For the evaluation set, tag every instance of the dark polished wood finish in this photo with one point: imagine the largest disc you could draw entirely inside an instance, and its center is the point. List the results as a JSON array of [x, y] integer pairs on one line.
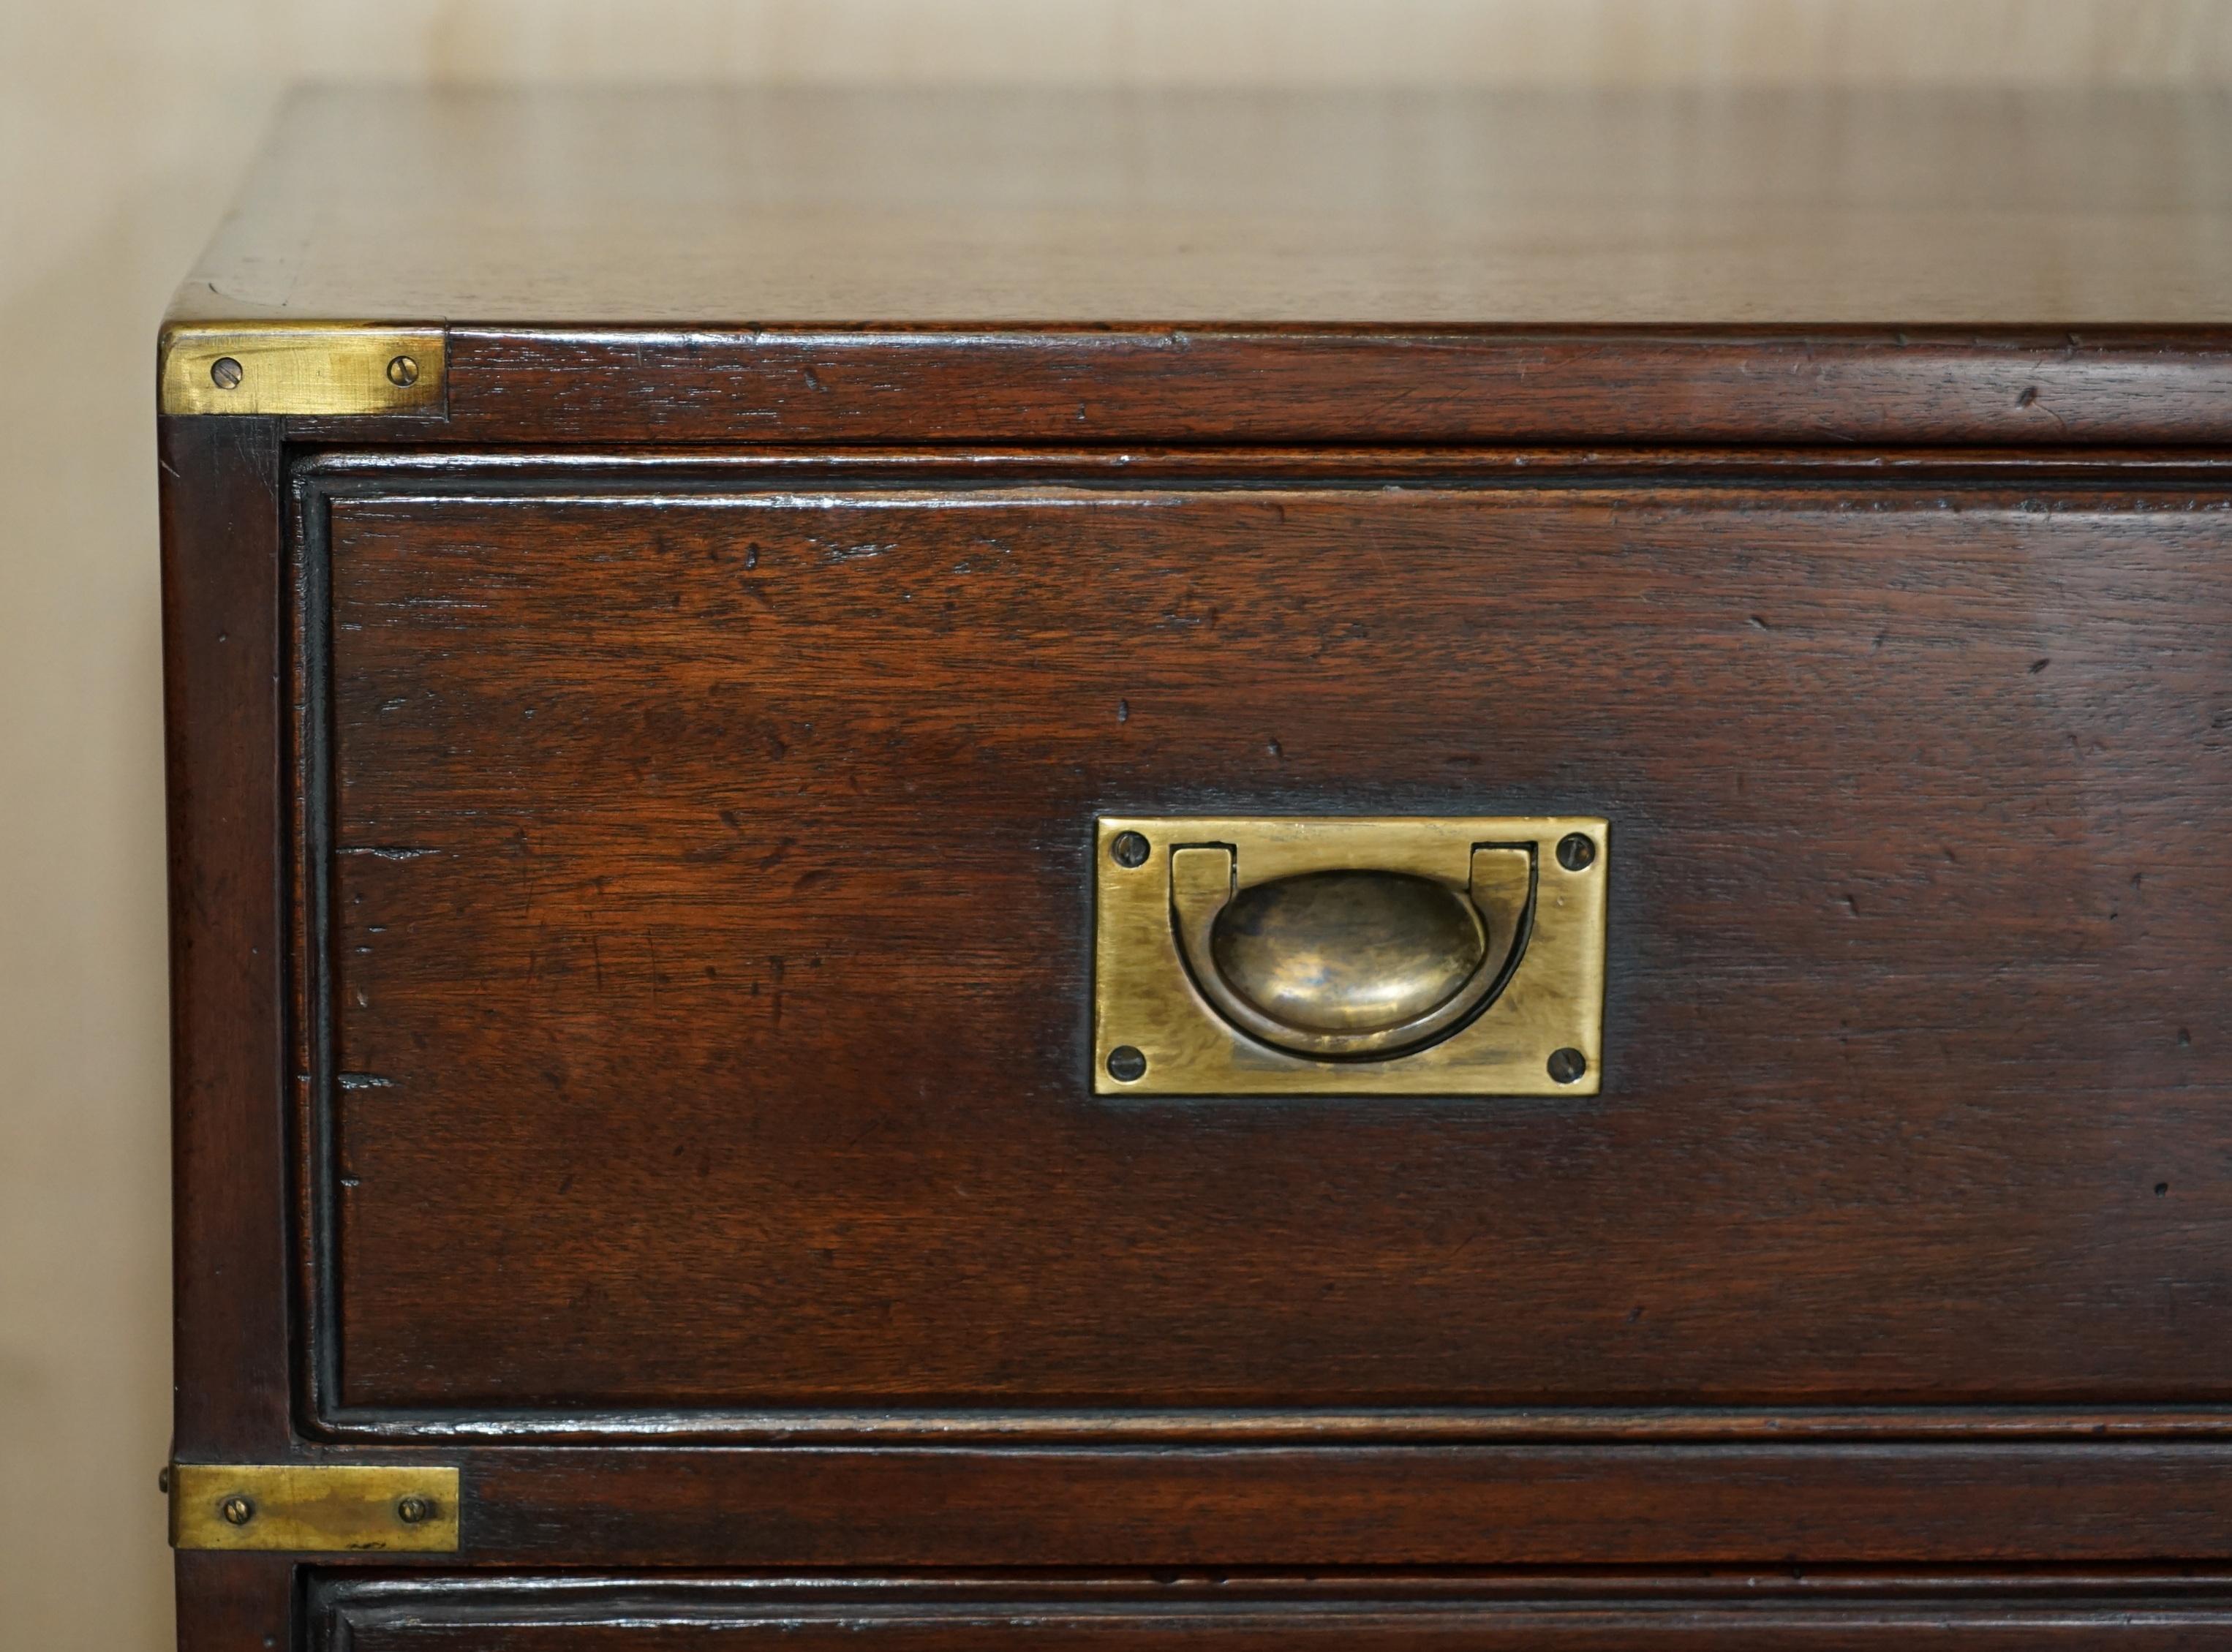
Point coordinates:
[[223, 568], [1806, 385], [1323, 1505], [630, 837], [666, 210], [1728, 1612], [656, 812]]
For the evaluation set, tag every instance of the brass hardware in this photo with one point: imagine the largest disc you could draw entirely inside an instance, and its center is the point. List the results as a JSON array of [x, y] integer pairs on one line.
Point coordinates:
[[1347, 962], [314, 1508], [307, 368], [1349, 956]]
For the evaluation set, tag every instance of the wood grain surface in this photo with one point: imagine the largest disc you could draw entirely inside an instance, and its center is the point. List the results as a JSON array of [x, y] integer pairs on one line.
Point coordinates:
[[709, 928], [1805, 387], [224, 622], [1075, 206], [1388, 1506], [1948, 268], [1727, 1612]]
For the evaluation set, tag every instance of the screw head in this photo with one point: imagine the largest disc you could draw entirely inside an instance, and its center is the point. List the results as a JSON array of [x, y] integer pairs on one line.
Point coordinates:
[[236, 1510], [403, 371], [163, 1481], [1566, 1066], [1577, 852], [1126, 1065], [226, 373], [1128, 849], [413, 1509]]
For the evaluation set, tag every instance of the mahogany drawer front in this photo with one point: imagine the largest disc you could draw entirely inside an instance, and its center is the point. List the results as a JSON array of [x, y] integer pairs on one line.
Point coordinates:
[[1731, 1612], [699, 956]]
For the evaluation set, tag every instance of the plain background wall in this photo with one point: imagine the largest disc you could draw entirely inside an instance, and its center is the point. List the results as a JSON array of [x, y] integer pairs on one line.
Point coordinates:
[[123, 125]]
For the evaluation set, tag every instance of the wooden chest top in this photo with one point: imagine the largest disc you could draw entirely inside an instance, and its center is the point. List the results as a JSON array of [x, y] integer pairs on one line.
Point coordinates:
[[1064, 266], [1077, 208]]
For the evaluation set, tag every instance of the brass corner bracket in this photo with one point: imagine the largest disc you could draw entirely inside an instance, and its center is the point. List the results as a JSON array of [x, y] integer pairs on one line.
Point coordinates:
[[308, 369], [314, 1508]]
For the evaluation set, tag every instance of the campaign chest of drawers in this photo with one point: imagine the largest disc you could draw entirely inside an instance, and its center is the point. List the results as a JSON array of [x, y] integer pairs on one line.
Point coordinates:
[[1067, 871]]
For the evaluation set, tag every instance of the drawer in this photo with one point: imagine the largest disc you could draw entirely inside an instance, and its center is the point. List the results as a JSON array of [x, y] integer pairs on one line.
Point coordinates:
[[1728, 1612], [697, 917]]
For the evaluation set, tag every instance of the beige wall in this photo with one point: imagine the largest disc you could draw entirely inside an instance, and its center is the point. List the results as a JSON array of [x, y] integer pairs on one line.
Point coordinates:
[[122, 124]]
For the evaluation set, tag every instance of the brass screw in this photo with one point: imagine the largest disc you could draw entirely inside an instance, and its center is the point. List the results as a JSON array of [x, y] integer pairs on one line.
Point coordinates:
[[1126, 1065], [225, 373], [403, 372], [163, 1481], [236, 1510], [1569, 1066], [414, 1509]]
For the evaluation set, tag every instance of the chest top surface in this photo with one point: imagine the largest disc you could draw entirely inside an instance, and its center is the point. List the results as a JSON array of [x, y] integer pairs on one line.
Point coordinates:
[[1423, 208]]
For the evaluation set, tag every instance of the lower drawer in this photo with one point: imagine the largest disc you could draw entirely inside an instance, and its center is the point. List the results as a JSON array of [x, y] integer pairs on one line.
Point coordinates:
[[1728, 1612]]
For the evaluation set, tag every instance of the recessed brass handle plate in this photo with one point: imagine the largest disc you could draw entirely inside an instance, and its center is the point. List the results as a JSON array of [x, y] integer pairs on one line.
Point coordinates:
[[1358, 956]]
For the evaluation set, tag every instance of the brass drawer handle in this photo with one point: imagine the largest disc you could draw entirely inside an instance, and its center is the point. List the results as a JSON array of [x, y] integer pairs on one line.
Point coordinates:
[[1347, 962], [1348, 954]]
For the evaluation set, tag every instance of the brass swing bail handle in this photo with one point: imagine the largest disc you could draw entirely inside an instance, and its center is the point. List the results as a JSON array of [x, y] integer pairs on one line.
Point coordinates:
[[1347, 962]]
